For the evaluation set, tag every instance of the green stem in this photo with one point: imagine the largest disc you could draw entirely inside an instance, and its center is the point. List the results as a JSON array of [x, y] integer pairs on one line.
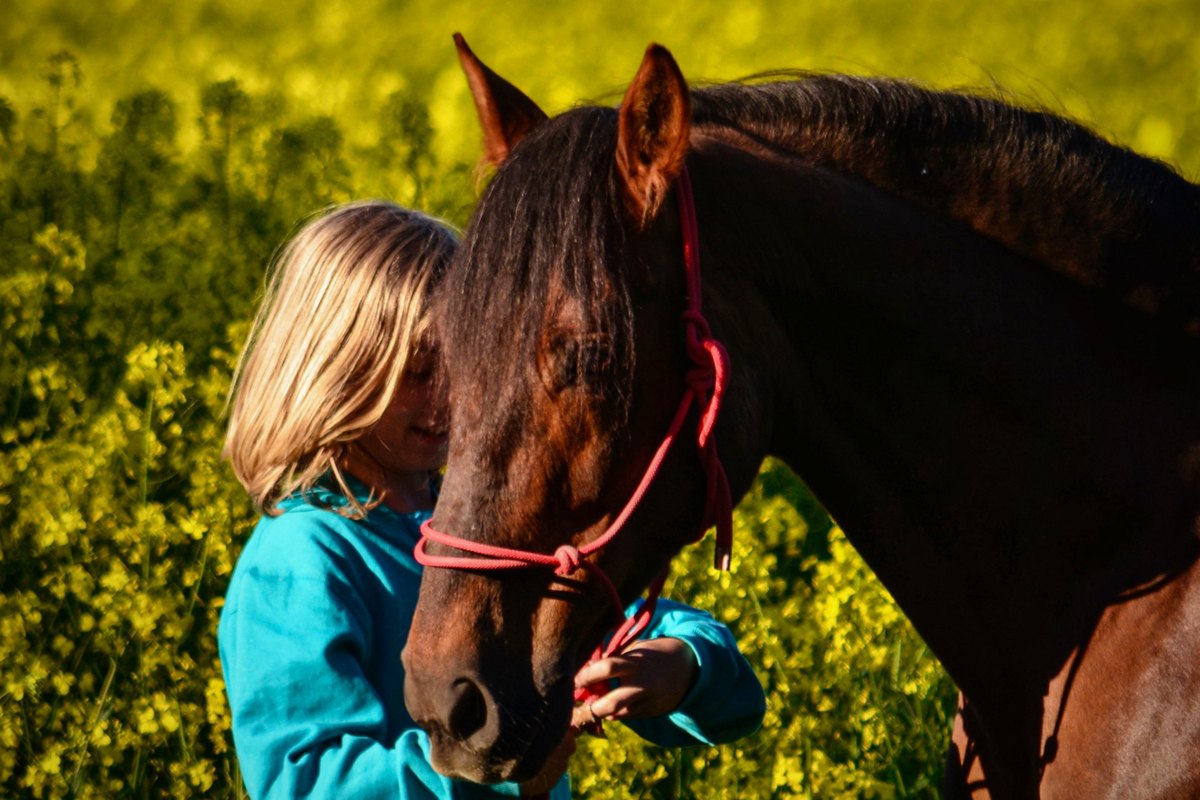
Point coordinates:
[[136, 778], [199, 578], [144, 478], [76, 777], [184, 747], [238, 783]]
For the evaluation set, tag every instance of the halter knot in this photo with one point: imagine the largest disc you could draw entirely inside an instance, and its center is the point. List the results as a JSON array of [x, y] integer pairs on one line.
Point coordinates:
[[700, 379], [698, 322], [569, 560]]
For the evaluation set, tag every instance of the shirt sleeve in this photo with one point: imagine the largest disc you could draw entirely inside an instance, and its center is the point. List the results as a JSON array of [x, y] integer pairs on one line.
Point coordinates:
[[306, 720], [726, 701]]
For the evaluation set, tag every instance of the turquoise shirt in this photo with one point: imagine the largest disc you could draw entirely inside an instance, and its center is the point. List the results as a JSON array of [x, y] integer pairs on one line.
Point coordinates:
[[317, 612]]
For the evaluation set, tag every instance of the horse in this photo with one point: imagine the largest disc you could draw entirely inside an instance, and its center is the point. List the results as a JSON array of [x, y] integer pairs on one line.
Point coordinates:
[[970, 327]]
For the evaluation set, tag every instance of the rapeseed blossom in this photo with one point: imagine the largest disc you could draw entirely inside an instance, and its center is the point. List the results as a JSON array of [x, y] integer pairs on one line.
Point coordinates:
[[135, 225]]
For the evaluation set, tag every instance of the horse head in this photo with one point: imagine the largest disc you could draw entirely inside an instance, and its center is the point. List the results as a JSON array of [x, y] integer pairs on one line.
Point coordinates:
[[561, 327]]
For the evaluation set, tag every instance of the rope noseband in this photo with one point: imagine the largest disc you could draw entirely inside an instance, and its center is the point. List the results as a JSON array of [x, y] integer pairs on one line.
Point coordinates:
[[706, 383]]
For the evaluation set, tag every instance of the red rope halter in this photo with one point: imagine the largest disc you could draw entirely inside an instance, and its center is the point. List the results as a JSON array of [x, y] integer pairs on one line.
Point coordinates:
[[705, 386]]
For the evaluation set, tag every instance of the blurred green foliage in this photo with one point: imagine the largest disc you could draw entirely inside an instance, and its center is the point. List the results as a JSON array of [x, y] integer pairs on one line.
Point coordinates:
[[152, 157]]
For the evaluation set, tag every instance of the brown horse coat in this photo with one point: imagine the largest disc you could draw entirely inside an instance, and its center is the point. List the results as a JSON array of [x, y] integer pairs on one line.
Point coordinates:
[[969, 328]]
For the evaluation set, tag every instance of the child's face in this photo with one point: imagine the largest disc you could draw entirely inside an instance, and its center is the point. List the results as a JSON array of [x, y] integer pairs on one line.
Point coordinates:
[[413, 432]]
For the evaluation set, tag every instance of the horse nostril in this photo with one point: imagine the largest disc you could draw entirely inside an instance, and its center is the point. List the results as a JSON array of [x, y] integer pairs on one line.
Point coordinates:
[[469, 711]]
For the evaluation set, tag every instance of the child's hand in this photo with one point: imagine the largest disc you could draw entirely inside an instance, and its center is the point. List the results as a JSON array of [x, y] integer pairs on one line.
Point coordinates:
[[654, 674]]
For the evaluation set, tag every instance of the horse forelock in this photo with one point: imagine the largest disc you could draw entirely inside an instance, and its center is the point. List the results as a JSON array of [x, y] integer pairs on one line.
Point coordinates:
[[548, 230]]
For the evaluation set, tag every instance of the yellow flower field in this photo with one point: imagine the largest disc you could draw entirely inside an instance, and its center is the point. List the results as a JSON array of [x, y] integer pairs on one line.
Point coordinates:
[[152, 157]]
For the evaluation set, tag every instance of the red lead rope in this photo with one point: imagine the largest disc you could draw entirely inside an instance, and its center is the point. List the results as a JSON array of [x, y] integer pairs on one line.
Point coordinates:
[[705, 386]]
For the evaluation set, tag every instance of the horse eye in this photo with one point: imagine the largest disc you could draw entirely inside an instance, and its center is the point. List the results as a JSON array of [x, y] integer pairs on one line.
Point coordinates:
[[561, 365], [568, 359], [593, 360]]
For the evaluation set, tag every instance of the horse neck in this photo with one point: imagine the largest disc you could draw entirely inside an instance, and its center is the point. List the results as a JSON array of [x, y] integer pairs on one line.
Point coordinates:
[[1002, 448]]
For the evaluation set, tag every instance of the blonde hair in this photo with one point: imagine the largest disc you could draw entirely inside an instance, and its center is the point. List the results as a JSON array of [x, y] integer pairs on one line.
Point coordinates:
[[343, 312]]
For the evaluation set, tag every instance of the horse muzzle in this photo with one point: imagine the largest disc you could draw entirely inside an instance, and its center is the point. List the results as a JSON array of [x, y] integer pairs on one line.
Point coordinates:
[[472, 735]]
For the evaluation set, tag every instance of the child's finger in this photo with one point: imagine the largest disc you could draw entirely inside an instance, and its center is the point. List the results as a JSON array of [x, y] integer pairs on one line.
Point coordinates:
[[603, 670], [582, 718], [617, 701]]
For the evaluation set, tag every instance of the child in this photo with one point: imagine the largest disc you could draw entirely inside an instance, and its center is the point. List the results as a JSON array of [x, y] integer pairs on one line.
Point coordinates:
[[337, 432]]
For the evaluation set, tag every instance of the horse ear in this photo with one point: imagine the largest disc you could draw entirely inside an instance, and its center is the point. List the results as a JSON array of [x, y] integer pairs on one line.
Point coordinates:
[[652, 140], [505, 113]]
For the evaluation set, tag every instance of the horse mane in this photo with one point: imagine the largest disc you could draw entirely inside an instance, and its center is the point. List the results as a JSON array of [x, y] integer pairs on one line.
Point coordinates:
[[1043, 185]]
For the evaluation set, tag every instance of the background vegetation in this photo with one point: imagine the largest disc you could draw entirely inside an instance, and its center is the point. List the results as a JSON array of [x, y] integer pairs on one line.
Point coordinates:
[[153, 155]]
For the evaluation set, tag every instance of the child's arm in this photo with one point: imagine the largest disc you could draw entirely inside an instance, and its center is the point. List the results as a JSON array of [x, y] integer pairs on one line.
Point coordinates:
[[307, 722], [684, 683]]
